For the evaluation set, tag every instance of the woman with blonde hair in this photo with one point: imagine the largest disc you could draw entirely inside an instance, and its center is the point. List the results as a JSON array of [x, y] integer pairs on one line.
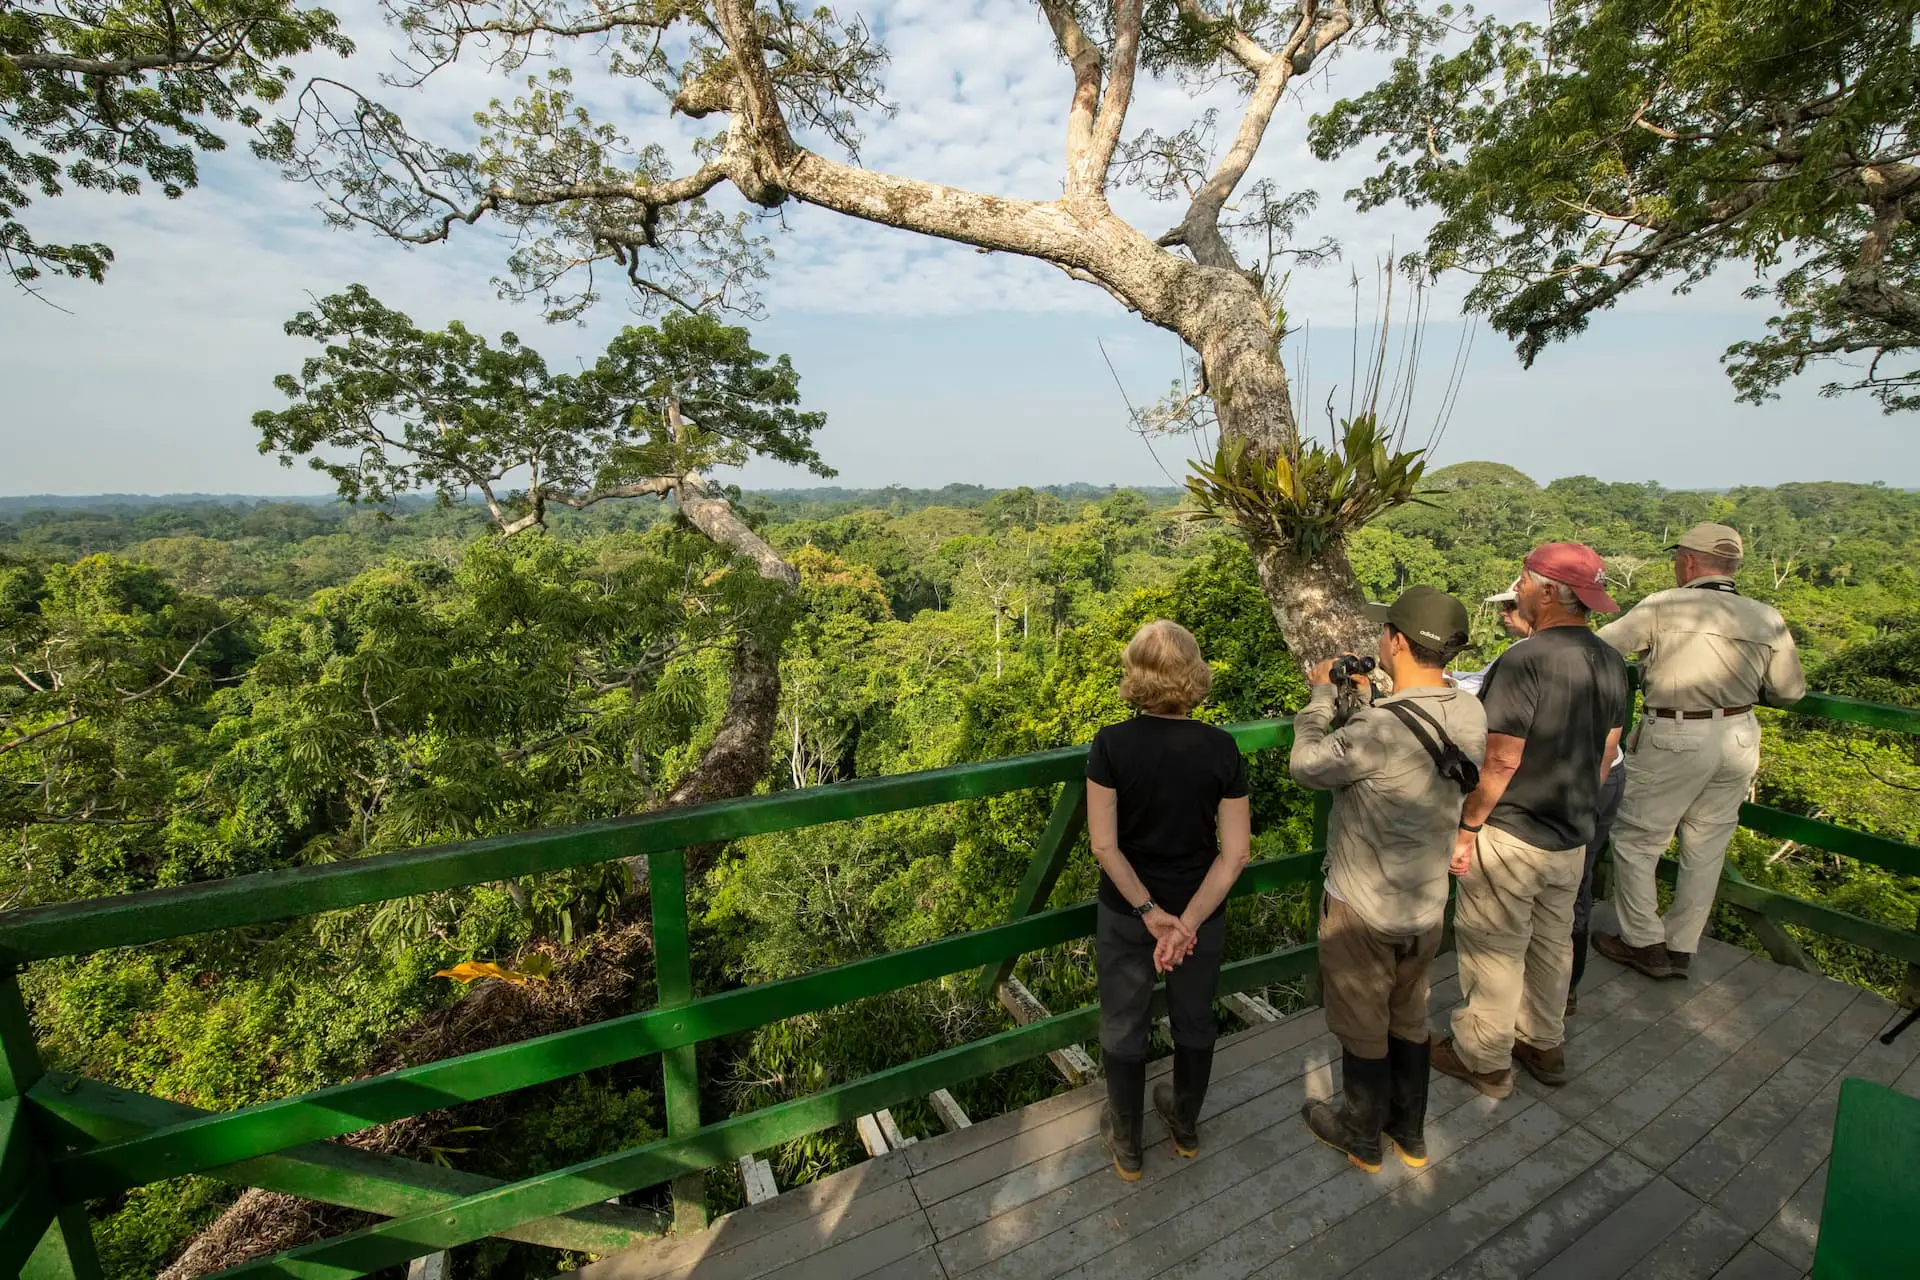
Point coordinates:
[[1167, 817]]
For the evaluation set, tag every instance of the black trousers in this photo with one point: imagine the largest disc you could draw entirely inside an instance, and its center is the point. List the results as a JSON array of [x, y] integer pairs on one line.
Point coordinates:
[[1123, 957], [1616, 786]]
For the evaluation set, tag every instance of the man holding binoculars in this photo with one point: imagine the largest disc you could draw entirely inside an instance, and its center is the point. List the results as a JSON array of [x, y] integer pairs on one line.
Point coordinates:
[[1398, 768]]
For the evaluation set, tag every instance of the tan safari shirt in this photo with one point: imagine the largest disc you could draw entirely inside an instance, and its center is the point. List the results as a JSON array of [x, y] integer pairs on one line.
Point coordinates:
[[1706, 649], [1394, 816]]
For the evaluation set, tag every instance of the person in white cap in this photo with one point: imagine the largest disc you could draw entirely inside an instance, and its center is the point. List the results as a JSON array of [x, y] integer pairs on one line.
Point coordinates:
[[1508, 603], [1707, 655]]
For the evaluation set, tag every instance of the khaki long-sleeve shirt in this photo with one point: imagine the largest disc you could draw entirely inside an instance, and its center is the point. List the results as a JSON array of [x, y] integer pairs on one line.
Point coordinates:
[[1394, 816], [1704, 649]]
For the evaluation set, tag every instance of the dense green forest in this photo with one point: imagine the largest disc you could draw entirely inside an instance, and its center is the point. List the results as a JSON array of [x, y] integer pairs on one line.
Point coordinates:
[[209, 688]]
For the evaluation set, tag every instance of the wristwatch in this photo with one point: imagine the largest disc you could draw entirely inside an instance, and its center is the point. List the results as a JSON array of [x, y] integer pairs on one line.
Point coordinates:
[[1144, 908]]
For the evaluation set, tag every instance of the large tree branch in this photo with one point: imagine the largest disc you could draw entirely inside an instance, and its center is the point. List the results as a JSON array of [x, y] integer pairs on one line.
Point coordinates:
[[1084, 57], [1240, 46], [1113, 106], [65, 64]]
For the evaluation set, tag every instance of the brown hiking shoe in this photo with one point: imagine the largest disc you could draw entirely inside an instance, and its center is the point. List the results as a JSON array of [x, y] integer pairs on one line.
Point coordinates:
[[1678, 962], [1651, 960], [1446, 1060], [1548, 1066]]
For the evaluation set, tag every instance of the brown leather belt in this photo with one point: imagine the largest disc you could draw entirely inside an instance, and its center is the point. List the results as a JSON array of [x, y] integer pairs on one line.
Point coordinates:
[[1669, 713]]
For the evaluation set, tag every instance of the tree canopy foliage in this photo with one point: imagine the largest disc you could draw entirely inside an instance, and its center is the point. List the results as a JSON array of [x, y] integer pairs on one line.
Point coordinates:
[[349, 684], [1627, 142], [101, 94]]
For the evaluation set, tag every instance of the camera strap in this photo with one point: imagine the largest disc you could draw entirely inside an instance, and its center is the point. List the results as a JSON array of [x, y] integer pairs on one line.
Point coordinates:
[[1466, 778]]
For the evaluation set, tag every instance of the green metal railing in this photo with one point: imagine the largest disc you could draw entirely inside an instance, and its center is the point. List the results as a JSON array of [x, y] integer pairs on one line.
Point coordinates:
[[65, 1140]]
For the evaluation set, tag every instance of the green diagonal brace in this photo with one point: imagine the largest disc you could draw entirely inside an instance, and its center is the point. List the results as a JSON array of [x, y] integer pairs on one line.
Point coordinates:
[[1064, 825], [83, 1112]]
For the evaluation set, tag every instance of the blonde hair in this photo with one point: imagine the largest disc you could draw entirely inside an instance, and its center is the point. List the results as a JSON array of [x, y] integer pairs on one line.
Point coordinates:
[[1164, 672]]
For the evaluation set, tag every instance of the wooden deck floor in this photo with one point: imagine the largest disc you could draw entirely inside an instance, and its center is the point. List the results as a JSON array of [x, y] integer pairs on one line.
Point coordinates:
[[1691, 1142]]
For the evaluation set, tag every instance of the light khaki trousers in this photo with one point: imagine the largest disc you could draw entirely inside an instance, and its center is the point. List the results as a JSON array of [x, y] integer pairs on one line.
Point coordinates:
[[1690, 777], [1513, 927]]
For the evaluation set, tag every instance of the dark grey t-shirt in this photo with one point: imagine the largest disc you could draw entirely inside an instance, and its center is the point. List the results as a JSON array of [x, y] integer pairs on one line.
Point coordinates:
[[1563, 690]]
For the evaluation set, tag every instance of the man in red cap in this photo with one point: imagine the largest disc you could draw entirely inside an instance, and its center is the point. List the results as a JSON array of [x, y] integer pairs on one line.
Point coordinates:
[[1556, 704]]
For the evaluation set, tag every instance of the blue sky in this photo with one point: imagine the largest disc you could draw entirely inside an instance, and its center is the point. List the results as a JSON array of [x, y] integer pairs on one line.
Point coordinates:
[[934, 363]]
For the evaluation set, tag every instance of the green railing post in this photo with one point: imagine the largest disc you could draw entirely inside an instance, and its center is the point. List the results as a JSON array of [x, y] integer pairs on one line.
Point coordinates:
[[673, 979], [1317, 889], [39, 1240], [1068, 820]]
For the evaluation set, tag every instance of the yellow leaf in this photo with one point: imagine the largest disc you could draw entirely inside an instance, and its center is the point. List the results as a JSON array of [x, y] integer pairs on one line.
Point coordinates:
[[473, 970]]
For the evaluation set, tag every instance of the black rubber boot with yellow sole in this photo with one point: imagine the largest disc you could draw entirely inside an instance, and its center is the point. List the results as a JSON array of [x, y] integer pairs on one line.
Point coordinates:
[[1355, 1127], [1120, 1121], [1179, 1102], [1406, 1128]]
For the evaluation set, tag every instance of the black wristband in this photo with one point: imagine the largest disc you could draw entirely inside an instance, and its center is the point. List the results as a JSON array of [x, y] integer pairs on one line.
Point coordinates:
[[1472, 827], [1144, 909]]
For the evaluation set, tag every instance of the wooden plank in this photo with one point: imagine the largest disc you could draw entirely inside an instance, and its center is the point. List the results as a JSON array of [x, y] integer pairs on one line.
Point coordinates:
[[1693, 1116], [951, 1114], [1250, 1009], [1057, 1211], [1072, 1062], [1763, 1188], [1755, 1263], [1234, 1053], [855, 1211], [778, 1230], [1478, 1214], [1556, 1222], [890, 1130], [1242, 1230], [756, 1179], [1012, 1232], [868, 1254], [1646, 1098], [435, 1266], [1716, 1159], [1626, 1235], [1695, 1250], [1644, 1032], [1794, 1232], [1361, 1236], [871, 1136]]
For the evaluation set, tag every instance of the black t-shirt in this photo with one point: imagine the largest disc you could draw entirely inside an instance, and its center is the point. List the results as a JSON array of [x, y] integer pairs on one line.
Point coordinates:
[[1563, 690], [1171, 776]]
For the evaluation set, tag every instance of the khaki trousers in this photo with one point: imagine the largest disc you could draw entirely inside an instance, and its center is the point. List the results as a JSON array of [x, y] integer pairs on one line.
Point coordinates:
[[1513, 925], [1373, 984], [1689, 777]]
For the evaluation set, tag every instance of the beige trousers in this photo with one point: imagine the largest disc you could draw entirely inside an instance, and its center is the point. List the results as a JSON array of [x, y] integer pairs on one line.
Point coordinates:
[[1690, 777], [1513, 926]]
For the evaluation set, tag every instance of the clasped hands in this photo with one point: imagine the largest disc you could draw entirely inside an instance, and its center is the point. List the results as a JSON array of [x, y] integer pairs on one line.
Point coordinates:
[[1173, 942]]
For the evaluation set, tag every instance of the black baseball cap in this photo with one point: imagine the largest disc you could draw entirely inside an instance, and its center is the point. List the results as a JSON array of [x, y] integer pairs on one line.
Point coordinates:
[[1427, 617]]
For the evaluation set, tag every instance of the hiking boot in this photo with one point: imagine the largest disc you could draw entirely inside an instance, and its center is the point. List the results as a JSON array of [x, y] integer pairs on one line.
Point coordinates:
[[1179, 1102], [1678, 962], [1652, 960], [1447, 1061], [1406, 1126], [1548, 1066], [1355, 1128], [1120, 1118]]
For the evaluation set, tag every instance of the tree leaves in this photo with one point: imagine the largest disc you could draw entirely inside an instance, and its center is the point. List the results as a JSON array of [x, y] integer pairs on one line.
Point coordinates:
[[535, 968]]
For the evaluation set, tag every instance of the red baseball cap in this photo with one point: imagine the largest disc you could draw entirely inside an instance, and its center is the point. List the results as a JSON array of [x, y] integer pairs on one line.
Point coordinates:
[[1578, 566]]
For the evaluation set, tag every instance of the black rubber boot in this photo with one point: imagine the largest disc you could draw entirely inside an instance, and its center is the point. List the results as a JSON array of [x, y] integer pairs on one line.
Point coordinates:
[[1406, 1127], [1179, 1102], [1120, 1122], [1355, 1127]]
